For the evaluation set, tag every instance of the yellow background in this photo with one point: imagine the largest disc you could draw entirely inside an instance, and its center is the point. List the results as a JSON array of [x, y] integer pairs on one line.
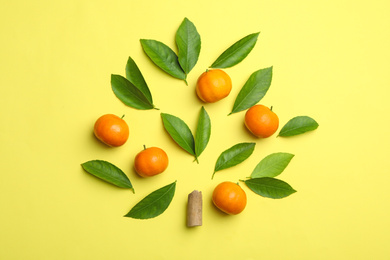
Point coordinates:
[[331, 62]]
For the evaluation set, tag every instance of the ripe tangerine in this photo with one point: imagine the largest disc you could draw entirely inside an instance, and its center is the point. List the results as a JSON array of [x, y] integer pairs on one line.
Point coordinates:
[[111, 130], [213, 85], [151, 161], [261, 121], [229, 197]]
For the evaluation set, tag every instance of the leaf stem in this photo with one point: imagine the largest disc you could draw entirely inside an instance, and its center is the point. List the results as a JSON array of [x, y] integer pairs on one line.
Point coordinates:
[[212, 177]]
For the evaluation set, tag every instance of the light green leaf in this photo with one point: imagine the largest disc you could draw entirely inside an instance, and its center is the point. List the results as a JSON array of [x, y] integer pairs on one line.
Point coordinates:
[[189, 44], [108, 172], [164, 57], [233, 156], [270, 187], [254, 90], [153, 204], [129, 94], [272, 165], [237, 52], [298, 125], [180, 132], [203, 132]]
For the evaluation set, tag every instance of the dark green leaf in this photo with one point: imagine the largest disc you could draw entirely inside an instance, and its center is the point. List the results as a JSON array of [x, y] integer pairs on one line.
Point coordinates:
[[180, 132], [164, 57], [203, 132], [108, 172], [188, 43], [129, 94], [272, 165], [153, 204], [237, 52], [134, 75], [298, 125], [233, 156], [270, 187], [254, 90]]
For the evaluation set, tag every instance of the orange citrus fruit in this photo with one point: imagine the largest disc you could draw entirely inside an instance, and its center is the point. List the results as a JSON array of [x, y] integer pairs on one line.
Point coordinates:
[[151, 161], [111, 130], [213, 85], [261, 121], [229, 197]]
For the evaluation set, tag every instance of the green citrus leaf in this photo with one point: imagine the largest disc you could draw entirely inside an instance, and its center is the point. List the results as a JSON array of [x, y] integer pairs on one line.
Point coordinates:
[[129, 94], [272, 165], [180, 132], [254, 90], [134, 75], [164, 57], [270, 187], [188, 44], [108, 172], [298, 125], [153, 204], [237, 52], [203, 132], [233, 156]]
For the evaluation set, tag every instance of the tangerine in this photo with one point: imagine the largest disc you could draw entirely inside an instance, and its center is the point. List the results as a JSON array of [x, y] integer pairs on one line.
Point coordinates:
[[111, 130], [151, 161], [261, 121], [213, 85], [229, 197]]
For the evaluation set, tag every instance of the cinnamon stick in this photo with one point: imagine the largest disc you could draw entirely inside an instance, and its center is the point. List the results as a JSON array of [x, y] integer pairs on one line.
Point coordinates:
[[194, 209]]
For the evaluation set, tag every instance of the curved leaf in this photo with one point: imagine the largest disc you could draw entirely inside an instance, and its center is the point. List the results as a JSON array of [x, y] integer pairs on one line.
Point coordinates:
[[188, 43], [134, 75], [298, 125], [203, 132], [254, 90], [129, 94], [233, 156], [272, 165], [108, 172], [237, 52], [180, 132], [270, 187], [153, 204], [164, 57]]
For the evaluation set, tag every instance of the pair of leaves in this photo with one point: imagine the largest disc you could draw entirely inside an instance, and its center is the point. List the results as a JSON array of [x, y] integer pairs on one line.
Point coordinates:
[[132, 90], [253, 90], [233, 156], [153, 204], [236, 53], [188, 43], [262, 180], [182, 135], [298, 125], [108, 172]]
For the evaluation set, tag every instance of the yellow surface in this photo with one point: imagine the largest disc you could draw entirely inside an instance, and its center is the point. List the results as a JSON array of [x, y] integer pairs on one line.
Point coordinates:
[[331, 62]]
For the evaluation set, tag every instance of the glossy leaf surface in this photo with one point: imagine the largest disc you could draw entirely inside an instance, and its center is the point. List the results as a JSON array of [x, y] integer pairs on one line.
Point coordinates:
[[272, 165], [188, 43], [180, 132], [298, 125], [164, 57], [134, 75], [129, 94], [108, 172], [253, 90], [237, 52], [270, 187], [203, 132], [153, 204], [233, 156]]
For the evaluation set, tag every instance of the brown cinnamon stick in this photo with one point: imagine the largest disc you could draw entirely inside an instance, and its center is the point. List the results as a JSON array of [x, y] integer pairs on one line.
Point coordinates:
[[194, 209]]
